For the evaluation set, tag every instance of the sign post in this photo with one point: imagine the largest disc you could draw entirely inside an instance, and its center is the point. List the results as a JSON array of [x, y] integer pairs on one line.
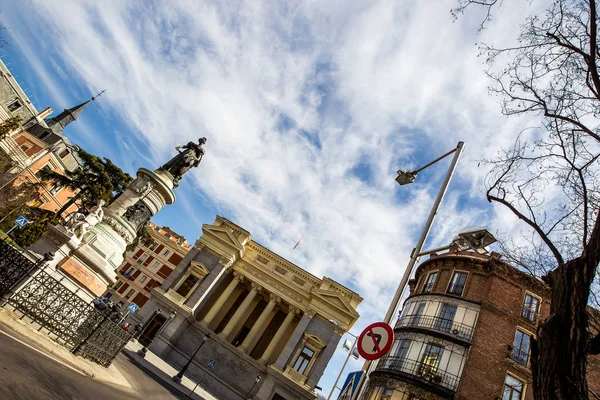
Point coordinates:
[[375, 341], [130, 309], [20, 222]]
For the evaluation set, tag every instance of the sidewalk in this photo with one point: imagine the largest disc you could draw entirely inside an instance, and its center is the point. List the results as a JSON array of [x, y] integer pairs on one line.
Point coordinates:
[[163, 373], [44, 342]]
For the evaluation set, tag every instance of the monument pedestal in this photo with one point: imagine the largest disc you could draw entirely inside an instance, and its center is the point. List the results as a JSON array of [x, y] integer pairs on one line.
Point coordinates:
[[90, 262]]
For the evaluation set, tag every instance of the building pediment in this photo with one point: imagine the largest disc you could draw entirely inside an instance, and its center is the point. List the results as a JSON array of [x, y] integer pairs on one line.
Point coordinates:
[[221, 241], [333, 306]]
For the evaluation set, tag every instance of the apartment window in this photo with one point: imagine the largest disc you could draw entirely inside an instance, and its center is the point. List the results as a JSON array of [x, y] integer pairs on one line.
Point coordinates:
[[445, 318], [14, 105], [44, 199], [387, 394], [118, 285], [303, 360], [143, 278], [130, 293], [142, 258], [530, 307], [415, 317], [520, 349], [129, 271], [400, 354], [64, 153], [47, 167], [513, 388], [457, 284], [431, 278], [156, 264], [56, 188], [153, 246], [431, 359], [166, 252]]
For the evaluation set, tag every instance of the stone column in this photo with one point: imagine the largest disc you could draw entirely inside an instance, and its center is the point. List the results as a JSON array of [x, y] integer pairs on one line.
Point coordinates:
[[259, 325], [241, 311], [237, 278], [279, 334], [297, 335]]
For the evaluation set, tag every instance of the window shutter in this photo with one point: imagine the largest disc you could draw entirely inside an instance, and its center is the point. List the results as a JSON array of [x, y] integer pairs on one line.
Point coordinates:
[[123, 288], [175, 259], [140, 300], [148, 261], [164, 271], [136, 274], [122, 270], [159, 249], [138, 254]]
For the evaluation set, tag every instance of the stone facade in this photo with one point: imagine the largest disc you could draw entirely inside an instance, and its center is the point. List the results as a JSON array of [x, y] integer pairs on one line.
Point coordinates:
[[465, 338], [264, 317]]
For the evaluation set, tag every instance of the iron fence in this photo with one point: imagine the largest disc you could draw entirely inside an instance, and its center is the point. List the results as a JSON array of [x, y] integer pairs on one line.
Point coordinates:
[[425, 372], [13, 267], [42, 297]]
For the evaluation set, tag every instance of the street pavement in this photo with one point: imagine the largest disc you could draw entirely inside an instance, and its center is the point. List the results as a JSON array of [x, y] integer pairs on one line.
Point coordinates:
[[26, 373]]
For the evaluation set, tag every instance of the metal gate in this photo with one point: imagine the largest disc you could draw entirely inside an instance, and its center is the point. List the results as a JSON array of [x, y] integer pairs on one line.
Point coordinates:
[[42, 297]]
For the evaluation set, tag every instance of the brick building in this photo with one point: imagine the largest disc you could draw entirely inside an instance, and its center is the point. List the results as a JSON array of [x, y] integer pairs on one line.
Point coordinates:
[[147, 266], [464, 333]]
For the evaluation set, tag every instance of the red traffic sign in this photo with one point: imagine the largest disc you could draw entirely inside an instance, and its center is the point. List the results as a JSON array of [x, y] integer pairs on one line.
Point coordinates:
[[375, 341]]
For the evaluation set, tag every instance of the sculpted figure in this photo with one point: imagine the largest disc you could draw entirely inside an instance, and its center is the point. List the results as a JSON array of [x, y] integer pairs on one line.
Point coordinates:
[[189, 157], [79, 223]]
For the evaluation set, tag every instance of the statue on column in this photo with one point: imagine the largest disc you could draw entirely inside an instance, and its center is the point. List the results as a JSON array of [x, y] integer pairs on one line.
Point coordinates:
[[79, 223], [189, 157]]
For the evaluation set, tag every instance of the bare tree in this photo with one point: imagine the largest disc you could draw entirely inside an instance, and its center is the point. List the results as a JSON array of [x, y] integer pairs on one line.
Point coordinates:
[[550, 177]]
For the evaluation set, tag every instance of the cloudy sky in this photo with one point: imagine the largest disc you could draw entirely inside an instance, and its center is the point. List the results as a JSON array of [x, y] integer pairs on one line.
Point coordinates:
[[309, 109]]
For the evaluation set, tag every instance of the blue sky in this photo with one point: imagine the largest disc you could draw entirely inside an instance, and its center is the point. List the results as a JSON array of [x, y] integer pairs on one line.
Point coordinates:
[[309, 109]]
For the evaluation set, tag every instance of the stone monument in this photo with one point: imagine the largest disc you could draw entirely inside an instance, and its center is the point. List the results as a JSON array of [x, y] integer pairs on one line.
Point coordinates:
[[89, 247]]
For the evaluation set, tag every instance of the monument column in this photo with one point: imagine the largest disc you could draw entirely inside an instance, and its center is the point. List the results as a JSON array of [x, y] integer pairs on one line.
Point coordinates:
[[290, 346], [237, 278], [259, 325], [279, 334], [241, 311]]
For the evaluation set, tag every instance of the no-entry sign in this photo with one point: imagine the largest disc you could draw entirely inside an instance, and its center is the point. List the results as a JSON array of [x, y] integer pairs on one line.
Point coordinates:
[[375, 341]]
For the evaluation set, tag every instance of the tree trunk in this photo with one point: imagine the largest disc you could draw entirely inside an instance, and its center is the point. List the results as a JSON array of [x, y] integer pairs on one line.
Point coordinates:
[[559, 353]]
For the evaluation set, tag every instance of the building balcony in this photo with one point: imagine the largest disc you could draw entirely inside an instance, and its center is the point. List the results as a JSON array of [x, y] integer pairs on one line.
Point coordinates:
[[447, 327], [427, 375], [519, 356]]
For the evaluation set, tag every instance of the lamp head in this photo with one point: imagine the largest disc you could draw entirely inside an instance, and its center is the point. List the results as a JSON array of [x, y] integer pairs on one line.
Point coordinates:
[[405, 177], [473, 238]]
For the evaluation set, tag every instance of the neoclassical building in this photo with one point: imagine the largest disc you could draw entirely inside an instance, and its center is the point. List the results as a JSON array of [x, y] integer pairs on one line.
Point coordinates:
[[264, 317]]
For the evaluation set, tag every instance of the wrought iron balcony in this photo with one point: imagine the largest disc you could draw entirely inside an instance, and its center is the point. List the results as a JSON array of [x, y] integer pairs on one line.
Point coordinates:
[[438, 324], [520, 356], [422, 372]]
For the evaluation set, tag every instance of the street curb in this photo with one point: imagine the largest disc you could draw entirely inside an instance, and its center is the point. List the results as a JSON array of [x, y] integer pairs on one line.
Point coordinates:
[[108, 375], [159, 376]]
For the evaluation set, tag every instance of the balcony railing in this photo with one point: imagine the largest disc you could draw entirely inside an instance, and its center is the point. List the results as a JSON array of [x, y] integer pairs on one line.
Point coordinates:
[[438, 324], [520, 356], [427, 373]]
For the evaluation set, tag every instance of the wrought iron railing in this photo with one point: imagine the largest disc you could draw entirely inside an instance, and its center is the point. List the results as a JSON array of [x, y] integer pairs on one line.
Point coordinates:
[[424, 372], [44, 299], [520, 356], [438, 324]]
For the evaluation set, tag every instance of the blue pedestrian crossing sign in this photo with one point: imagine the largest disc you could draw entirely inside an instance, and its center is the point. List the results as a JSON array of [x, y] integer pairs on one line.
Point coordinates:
[[21, 221], [132, 307], [211, 364]]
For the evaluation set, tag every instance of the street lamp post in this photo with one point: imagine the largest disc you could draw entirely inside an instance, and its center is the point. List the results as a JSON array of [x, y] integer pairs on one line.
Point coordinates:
[[343, 366], [142, 352], [403, 178], [258, 378], [177, 378]]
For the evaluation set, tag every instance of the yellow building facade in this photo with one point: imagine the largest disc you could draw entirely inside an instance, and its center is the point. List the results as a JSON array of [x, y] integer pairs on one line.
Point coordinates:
[[263, 315]]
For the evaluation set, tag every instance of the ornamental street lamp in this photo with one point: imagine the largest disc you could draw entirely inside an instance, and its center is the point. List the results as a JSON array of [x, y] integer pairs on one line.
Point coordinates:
[[142, 352], [258, 378], [177, 378], [350, 353]]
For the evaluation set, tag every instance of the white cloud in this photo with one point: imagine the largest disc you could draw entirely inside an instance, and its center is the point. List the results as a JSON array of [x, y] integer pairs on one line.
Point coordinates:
[[372, 86]]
